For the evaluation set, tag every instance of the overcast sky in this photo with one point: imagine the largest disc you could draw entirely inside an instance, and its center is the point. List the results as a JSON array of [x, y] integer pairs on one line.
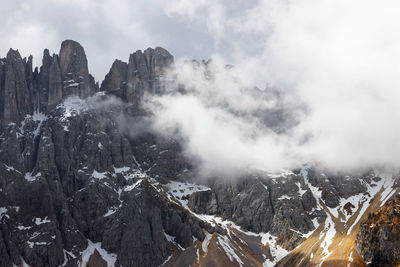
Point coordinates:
[[340, 58], [114, 29]]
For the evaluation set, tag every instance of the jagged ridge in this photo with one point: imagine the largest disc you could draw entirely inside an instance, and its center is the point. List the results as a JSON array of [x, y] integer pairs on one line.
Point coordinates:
[[77, 188]]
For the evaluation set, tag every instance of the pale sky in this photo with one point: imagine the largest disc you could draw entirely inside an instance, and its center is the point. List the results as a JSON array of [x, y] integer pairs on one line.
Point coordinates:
[[110, 29], [341, 59]]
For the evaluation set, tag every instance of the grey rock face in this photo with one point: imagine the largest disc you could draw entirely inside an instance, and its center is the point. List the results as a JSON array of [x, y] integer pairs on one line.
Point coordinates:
[[281, 206], [378, 240], [30, 78], [143, 74], [15, 94], [80, 172], [74, 70], [73, 176], [2, 89], [115, 81], [55, 92], [23, 90], [44, 80], [255, 205]]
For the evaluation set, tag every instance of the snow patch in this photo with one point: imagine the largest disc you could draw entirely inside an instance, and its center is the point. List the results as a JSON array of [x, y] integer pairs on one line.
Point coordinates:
[[277, 252], [351, 257], [99, 175], [171, 239], [267, 238], [136, 174], [32, 244], [301, 191], [334, 211], [279, 174], [374, 188], [40, 118], [39, 221], [355, 201], [3, 210], [205, 243], [284, 197], [121, 170], [314, 190], [72, 85], [110, 258], [72, 106], [110, 212], [16, 208], [266, 187], [183, 190], [388, 191], [230, 252], [10, 168], [167, 260], [131, 187], [315, 223], [30, 178], [22, 228], [24, 264], [328, 233]]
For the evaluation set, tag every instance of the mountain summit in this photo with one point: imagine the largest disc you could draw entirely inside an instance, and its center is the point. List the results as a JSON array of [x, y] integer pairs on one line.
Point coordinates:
[[86, 181]]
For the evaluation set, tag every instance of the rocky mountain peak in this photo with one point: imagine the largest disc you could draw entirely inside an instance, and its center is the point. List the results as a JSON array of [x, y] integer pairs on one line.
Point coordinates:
[[74, 70], [23, 90], [115, 80], [142, 74], [72, 58], [78, 189], [161, 60], [13, 55], [16, 98]]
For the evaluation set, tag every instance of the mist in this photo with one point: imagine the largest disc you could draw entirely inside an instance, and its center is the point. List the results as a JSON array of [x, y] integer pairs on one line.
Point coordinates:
[[312, 80], [327, 70]]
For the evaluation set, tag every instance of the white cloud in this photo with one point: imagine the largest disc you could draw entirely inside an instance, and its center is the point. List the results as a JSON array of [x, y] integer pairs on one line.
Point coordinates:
[[339, 58]]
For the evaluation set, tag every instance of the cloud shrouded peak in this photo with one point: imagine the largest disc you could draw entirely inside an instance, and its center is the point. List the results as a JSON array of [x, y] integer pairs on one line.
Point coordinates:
[[331, 70]]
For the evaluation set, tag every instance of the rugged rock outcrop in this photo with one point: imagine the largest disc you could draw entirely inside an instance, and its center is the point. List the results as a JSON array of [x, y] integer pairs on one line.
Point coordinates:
[[143, 74], [115, 82], [24, 90], [378, 241], [15, 93], [85, 180], [55, 92], [74, 70], [70, 178], [261, 204], [43, 80]]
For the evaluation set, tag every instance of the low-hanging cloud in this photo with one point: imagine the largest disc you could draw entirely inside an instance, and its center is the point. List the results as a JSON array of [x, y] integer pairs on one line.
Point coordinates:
[[331, 69], [336, 66], [226, 124]]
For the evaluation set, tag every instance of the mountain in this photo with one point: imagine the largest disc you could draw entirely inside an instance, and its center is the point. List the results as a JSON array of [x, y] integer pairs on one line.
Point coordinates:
[[84, 181], [379, 238]]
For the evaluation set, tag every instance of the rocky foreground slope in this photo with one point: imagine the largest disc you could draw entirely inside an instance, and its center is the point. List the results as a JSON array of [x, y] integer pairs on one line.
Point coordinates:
[[379, 238], [84, 181]]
